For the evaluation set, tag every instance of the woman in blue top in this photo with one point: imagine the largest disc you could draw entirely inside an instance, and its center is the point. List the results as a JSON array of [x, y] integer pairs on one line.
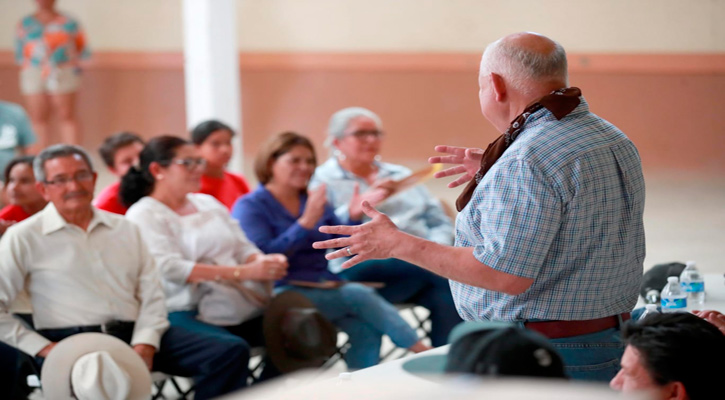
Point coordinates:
[[282, 217]]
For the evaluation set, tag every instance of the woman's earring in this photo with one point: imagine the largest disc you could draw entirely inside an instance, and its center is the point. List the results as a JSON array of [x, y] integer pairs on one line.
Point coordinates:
[[378, 157], [159, 177]]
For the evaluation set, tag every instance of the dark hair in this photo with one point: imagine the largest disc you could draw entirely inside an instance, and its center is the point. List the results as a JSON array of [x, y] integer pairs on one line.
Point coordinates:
[[58, 151], [202, 131], [275, 147], [114, 142], [15, 161], [138, 181], [679, 347]]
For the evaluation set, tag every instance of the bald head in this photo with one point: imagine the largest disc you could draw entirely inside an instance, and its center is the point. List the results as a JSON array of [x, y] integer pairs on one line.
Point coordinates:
[[528, 62]]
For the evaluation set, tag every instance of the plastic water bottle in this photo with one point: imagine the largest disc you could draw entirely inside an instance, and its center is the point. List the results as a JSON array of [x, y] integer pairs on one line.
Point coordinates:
[[693, 284], [673, 298], [649, 309]]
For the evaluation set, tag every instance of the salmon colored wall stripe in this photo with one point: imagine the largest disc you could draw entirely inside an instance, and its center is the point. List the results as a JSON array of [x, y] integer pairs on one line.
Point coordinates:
[[578, 62]]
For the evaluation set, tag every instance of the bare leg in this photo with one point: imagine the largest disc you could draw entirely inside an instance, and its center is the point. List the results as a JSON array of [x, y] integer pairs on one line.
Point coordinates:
[[38, 110], [64, 105]]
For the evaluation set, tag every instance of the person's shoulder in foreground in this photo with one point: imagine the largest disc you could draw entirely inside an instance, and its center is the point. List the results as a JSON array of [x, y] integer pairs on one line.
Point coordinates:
[[674, 356]]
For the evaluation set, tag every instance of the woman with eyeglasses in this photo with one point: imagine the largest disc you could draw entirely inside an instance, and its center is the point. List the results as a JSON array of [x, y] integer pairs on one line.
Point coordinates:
[[356, 138], [281, 216], [192, 237]]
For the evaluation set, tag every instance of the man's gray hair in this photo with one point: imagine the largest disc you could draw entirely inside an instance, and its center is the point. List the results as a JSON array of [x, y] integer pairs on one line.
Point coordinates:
[[57, 151], [521, 67], [341, 119]]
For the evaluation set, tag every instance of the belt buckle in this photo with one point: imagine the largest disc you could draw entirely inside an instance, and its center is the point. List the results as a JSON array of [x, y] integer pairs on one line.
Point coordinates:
[[104, 327]]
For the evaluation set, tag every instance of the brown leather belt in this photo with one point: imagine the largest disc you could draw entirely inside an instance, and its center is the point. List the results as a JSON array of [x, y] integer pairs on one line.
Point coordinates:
[[564, 329]]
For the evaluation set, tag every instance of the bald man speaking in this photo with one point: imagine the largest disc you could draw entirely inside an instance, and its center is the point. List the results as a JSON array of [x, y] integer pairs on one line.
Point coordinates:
[[549, 233]]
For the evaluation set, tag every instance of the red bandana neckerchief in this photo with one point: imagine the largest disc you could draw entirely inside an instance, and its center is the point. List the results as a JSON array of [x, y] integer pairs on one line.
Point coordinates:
[[559, 102]]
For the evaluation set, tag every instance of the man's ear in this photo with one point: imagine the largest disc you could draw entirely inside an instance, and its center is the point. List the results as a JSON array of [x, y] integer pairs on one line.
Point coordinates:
[[499, 87], [41, 189], [674, 391]]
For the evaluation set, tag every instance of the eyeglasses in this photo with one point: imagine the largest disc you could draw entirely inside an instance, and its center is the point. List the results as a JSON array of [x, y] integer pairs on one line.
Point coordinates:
[[367, 133], [190, 163], [80, 177]]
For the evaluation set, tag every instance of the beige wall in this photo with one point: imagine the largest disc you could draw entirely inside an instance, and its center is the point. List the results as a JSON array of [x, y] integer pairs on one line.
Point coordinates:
[[404, 25]]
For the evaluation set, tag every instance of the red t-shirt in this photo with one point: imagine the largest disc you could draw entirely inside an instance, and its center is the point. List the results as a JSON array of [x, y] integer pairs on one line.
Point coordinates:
[[108, 199], [227, 189], [13, 212]]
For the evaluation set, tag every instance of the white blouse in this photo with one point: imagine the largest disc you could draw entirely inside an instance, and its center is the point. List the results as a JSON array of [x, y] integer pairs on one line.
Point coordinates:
[[209, 236]]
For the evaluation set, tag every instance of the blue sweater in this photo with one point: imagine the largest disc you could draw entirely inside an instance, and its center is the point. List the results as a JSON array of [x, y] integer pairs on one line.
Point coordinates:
[[274, 229]]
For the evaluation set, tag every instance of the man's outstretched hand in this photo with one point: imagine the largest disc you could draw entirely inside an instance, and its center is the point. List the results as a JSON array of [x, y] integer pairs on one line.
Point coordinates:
[[372, 240], [467, 161]]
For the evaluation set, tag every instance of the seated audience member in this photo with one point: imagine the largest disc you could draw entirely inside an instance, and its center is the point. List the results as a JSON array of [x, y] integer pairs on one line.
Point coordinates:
[[119, 152], [214, 141], [281, 217], [674, 356], [195, 242], [87, 270], [23, 197], [356, 136]]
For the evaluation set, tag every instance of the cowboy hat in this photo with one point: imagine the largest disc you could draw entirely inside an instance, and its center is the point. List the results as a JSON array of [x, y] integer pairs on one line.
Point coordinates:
[[94, 366], [296, 334]]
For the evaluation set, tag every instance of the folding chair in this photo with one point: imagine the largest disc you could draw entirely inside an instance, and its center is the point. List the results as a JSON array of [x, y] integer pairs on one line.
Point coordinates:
[[422, 325], [160, 381]]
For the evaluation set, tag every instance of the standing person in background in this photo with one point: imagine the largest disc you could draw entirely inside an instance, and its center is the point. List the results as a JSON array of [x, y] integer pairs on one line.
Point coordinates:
[[550, 232], [356, 136], [48, 47], [119, 152], [16, 135], [214, 141]]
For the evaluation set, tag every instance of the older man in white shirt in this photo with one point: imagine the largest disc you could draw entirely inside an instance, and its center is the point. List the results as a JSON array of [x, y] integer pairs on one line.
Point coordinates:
[[88, 270]]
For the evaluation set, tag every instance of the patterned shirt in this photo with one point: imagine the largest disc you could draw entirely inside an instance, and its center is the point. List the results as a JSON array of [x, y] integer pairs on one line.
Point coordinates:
[[59, 43], [562, 206]]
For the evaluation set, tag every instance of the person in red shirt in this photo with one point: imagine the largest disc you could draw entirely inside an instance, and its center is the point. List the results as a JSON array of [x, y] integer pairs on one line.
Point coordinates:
[[119, 152], [23, 197], [214, 141]]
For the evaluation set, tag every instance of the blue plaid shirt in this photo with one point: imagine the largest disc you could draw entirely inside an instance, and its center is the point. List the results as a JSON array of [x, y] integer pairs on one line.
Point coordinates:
[[562, 206]]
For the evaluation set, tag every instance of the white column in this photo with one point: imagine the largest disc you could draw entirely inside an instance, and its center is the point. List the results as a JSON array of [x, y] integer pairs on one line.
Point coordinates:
[[211, 67]]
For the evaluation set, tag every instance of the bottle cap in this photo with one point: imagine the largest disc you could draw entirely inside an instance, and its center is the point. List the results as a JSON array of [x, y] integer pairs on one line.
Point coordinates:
[[690, 264], [672, 279]]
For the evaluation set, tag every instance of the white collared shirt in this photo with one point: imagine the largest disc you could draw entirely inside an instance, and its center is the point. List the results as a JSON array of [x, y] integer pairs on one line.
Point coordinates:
[[76, 277], [179, 242]]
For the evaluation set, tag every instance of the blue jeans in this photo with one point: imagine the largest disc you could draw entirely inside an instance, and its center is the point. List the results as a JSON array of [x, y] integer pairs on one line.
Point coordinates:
[[592, 357], [364, 316], [408, 283]]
